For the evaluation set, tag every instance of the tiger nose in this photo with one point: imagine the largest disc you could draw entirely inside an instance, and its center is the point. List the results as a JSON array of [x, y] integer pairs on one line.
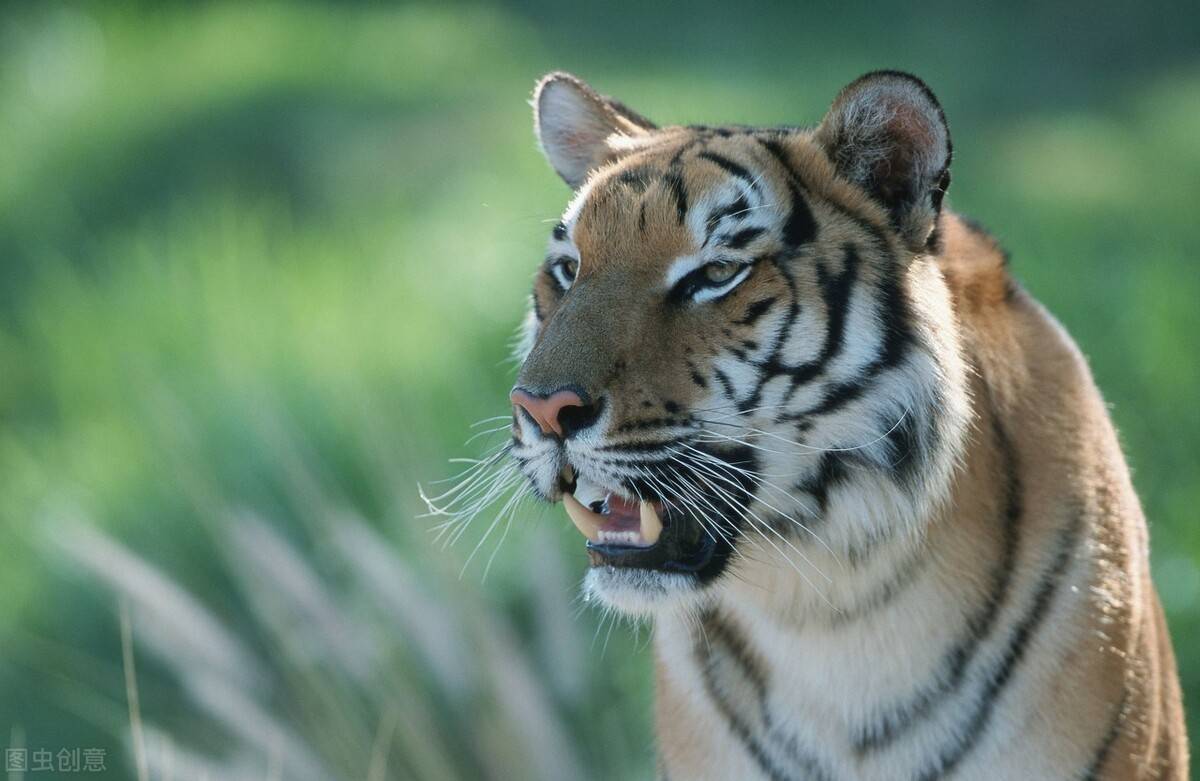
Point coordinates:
[[548, 410]]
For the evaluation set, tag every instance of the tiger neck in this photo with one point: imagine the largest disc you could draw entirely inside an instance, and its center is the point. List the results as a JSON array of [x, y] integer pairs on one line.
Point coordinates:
[[834, 581], [854, 626]]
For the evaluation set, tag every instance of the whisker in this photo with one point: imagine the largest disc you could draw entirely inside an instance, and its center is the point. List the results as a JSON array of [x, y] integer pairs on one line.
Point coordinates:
[[738, 411], [704, 523], [450, 502], [806, 447], [729, 499], [453, 528], [758, 524], [492, 419], [717, 463], [485, 433], [750, 512], [490, 459], [509, 505]]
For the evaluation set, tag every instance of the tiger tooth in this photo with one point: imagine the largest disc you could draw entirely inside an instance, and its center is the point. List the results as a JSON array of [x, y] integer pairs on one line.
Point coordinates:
[[568, 473], [651, 523], [585, 520]]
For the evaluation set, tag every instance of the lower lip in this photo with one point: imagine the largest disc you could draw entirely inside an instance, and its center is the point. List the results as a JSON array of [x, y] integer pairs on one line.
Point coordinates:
[[651, 558]]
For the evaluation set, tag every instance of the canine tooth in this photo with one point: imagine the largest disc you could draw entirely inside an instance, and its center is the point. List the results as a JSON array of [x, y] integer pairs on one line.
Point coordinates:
[[584, 519], [651, 523], [568, 472]]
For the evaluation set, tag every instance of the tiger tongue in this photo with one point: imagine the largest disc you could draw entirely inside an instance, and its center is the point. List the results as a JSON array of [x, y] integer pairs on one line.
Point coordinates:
[[621, 515], [639, 522]]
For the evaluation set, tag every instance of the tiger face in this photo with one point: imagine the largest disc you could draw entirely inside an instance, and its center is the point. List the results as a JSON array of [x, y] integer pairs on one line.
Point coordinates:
[[739, 357]]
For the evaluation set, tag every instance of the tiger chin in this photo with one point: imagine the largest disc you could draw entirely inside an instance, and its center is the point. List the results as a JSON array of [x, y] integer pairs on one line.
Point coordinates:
[[861, 482]]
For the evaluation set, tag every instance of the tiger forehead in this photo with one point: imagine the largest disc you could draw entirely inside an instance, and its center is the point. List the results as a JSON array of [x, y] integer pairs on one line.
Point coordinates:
[[637, 210]]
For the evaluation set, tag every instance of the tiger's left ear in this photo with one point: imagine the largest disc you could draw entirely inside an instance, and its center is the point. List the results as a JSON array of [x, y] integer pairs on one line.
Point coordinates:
[[886, 133], [576, 126]]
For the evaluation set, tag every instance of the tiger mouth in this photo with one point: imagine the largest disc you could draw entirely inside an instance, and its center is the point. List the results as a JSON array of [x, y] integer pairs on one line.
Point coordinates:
[[638, 534]]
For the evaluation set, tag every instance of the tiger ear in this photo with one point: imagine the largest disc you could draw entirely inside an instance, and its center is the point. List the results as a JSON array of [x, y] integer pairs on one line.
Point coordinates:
[[886, 133], [576, 126]]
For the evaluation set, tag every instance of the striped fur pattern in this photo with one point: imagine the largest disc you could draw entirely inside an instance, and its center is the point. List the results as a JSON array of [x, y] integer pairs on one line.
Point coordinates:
[[932, 563]]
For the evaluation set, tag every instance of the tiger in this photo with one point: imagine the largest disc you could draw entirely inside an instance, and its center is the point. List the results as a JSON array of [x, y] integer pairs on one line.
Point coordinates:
[[861, 484]]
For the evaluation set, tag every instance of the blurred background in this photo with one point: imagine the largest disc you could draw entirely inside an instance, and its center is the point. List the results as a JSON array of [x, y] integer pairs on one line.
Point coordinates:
[[260, 265]]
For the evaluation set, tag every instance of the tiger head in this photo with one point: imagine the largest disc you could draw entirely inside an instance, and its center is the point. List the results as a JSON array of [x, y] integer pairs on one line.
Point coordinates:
[[740, 356]]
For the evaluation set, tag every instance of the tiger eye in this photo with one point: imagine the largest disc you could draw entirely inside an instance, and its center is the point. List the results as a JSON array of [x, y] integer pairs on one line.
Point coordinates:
[[718, 273]]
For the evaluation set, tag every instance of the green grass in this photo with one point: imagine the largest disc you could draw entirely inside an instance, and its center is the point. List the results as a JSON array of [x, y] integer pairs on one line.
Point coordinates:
[[259, 268]]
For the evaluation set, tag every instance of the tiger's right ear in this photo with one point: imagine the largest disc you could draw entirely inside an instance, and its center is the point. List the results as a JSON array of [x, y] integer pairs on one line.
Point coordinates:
[[576, 126]]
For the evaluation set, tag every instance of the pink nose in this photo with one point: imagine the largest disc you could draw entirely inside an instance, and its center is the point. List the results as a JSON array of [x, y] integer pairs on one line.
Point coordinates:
[[545, 409]]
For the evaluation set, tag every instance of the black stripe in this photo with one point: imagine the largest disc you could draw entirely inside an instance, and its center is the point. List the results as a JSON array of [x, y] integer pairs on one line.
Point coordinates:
[[779, 335], [1110, 737], [837, 396], [897, 338], [723, 633], [736, 169], [647, 423], [862, 549], [755, 311], [900, 719], [835, 292], [883, 595], [720, 637], [638, 447], [741, 238], [739, 206], [740, 729], [830, 473], [725, 383], [771, 143], [638, 461], [722, 132], [673, 181], [897, 329], [637, 178], [905, 446], [1018, 643], [800, 227], [769, 366], [793, 305]]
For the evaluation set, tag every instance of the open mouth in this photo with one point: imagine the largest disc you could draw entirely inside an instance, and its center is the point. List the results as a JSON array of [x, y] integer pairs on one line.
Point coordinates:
[[642, 534]]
